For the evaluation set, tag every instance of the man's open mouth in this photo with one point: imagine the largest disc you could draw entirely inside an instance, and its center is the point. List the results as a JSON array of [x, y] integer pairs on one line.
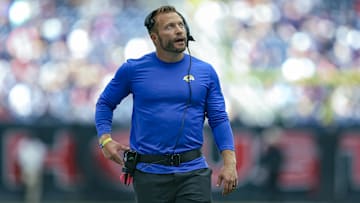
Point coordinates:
[[180, 40]]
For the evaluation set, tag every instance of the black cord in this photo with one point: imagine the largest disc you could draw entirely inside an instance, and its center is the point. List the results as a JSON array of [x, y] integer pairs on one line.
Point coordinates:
[[189, 78], [188, 103]]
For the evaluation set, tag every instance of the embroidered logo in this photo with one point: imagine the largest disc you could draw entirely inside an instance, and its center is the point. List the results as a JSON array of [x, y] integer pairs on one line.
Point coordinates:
[[188, 78]]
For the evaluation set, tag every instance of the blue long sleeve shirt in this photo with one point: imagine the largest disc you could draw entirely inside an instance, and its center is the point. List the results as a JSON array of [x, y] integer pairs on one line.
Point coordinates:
[[163, 121]]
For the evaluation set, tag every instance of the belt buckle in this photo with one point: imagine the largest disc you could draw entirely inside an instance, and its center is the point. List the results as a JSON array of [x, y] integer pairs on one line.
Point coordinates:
[[175, 159]]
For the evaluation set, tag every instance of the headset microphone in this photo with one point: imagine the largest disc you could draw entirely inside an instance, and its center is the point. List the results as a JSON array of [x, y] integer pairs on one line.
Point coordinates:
[[190, 38]]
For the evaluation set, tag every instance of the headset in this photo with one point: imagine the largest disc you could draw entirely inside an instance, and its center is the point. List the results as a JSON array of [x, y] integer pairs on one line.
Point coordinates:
[[150, 22]]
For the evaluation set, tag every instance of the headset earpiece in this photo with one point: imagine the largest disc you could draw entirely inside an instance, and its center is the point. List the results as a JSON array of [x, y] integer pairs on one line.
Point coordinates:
[[149, 21]]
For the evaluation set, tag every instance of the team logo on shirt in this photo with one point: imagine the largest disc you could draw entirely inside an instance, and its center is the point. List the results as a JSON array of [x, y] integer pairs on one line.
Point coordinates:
[[188, 78]]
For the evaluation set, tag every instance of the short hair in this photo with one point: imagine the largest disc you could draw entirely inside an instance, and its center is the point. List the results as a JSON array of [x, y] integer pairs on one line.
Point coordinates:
[[150, 19]]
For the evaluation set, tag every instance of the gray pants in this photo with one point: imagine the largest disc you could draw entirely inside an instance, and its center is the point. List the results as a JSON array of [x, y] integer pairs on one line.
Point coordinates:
[[194, 186]]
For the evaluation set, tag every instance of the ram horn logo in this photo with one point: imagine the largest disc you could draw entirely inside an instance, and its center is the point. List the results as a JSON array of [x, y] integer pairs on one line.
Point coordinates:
[[188, 78]]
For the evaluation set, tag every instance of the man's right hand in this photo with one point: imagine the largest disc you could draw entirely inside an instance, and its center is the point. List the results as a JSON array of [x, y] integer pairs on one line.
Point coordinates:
[[114, 150]]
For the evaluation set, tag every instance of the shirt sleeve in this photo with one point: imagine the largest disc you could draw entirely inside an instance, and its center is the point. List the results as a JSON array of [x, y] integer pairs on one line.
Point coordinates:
[[116, 90], [217, 115]]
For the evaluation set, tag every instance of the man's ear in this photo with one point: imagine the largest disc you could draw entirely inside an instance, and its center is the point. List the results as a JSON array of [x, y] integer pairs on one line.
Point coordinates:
[[153, 37]]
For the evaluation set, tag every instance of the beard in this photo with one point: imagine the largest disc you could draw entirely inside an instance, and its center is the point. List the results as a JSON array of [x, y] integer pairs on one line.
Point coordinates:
[[170, 46]]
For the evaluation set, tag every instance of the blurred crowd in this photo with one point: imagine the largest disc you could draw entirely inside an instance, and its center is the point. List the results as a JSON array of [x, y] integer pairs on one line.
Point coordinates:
[[294, 62]]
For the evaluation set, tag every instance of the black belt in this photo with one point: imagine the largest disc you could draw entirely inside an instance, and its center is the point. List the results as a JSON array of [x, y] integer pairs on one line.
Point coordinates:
[[170, 159]]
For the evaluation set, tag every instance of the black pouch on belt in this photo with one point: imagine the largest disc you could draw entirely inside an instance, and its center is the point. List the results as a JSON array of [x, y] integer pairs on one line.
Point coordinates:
[[130, 161]]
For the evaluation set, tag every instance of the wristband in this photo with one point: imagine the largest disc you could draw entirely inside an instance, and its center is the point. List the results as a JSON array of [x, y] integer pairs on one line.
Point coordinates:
[[107, 140]]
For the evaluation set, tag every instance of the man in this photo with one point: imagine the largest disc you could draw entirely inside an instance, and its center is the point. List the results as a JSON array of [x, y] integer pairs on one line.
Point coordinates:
[[172, 93]]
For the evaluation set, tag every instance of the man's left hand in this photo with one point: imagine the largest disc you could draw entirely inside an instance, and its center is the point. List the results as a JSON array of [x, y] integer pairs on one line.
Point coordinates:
[[228, 173]]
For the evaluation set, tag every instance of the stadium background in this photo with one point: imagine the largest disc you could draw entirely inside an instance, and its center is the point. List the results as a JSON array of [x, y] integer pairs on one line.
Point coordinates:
[[287, 67]]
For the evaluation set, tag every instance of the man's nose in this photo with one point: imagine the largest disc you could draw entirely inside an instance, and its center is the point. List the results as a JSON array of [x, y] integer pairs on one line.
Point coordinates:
[[179, 29]]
